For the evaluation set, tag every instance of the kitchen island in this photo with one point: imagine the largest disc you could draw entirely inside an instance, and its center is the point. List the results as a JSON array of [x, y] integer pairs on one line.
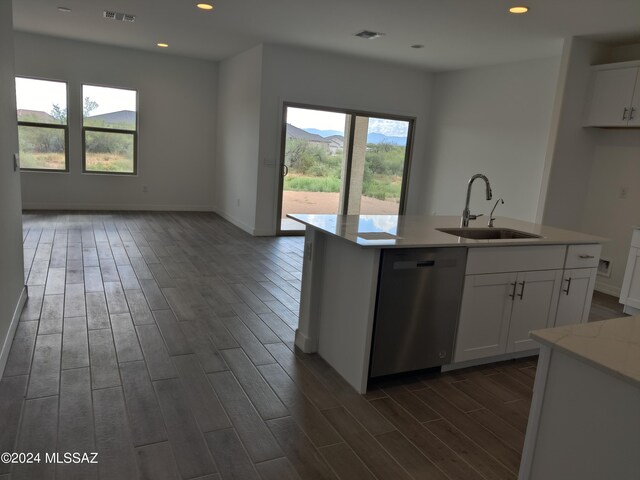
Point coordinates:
[[585, 412], [341, 273]]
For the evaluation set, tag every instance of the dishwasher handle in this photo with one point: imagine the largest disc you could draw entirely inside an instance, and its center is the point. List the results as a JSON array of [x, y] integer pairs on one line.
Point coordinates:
[[413, 264]]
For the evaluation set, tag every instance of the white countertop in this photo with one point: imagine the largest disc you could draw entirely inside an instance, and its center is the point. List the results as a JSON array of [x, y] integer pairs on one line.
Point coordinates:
[[610, 345], [396, 231]]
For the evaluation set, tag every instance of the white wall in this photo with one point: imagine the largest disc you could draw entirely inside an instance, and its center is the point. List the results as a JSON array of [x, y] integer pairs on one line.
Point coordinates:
[[11, 263], [616, 166], [569, 168], [177, 104], [238, 134], [331, 80], [496, 121], [615, 160]]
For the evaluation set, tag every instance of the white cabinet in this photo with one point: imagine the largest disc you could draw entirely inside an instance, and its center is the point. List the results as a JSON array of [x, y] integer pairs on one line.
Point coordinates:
[[575, 296], [508, 292], [630, 292], [484, 316], [614, 96], [499, 310], [534, 307]]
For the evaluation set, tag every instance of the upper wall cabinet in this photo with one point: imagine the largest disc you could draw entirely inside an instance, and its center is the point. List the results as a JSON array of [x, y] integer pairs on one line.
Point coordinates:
[[614, 96]]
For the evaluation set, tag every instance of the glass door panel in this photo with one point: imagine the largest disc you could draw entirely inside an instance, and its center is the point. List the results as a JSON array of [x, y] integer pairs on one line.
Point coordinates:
[[342, 163], [378, 166], [314, 163]]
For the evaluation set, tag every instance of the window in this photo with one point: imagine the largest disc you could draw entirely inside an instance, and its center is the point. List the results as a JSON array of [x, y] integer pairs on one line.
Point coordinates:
[[42, 124], [109, 130]]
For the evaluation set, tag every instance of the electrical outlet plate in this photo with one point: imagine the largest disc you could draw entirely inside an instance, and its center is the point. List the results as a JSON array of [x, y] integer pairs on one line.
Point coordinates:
[[16, 161]]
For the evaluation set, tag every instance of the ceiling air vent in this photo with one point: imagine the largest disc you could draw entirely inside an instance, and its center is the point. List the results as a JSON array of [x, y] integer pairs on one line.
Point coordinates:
[[123, 17], [369, 35]]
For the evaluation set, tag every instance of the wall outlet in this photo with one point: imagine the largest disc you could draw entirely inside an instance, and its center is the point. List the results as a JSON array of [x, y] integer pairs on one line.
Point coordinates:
[[145, 189], [238, 203], [16, 161]]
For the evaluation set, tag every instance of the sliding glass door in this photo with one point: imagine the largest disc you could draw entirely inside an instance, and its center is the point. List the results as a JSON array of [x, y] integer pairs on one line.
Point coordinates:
[[341, 162]]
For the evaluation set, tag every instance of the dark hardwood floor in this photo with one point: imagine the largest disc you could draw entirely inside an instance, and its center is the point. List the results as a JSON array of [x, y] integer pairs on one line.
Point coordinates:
[[164, 342]]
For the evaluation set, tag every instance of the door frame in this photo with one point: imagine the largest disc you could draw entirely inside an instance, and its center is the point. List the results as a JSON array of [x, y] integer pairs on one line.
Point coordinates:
[[347, 111]]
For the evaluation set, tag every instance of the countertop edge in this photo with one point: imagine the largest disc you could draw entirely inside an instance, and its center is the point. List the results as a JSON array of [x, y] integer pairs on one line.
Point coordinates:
[[461, 242], [553, 344]]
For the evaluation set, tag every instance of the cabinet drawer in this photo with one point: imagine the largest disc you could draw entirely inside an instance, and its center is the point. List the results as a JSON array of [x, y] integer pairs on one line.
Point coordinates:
[[515, 259], [582, 256]]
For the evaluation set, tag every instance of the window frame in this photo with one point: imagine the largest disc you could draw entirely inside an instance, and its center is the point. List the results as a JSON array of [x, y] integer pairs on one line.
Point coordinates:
[[133, 133], [58, 126]]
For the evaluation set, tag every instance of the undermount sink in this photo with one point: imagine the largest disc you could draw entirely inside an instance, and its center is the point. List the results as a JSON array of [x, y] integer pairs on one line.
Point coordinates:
[[487, 233]]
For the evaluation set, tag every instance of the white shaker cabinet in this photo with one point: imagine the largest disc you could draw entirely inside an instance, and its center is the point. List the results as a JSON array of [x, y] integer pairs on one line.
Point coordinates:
[[578, 281], [534, 307], [575, 296], [485, 313], [508, 292], [614, 96], [499, 310], [630, 292]]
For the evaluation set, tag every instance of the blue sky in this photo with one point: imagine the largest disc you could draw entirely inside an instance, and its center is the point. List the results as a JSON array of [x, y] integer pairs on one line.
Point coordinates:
[[322, 120]]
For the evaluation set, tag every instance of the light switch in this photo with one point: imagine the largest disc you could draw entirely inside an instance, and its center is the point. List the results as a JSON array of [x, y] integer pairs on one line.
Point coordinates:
[[16, 161]]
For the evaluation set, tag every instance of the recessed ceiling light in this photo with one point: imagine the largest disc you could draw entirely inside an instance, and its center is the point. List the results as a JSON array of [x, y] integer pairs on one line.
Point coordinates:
[[204, 6], [417, 45], [369, 35], [519, 9], [163, 45], [64, 10]]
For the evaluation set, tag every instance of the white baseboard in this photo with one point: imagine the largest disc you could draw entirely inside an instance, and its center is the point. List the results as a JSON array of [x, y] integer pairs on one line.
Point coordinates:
[[4, 353], [608, 289], [496, 358], [243, 226], [116, 207], [304, 343]]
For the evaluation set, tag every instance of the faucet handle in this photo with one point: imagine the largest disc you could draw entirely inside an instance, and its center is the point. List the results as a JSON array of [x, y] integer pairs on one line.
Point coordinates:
[[473, 217]]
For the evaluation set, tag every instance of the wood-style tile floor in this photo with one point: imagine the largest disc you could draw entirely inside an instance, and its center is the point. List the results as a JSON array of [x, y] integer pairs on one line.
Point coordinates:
[[164, 342]]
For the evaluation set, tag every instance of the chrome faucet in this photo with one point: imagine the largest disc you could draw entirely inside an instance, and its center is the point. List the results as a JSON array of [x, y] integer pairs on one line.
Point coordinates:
[[466, 213], [491, 217]]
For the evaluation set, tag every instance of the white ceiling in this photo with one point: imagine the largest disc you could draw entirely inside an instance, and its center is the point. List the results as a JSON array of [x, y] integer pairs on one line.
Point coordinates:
[[456, 33]]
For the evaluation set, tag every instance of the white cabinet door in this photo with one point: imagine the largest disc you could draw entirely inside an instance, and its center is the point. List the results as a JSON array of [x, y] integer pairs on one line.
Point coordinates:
[[611, 94], [575, 296], [484, 315], [630, 292], [634, 116], [534, 307]]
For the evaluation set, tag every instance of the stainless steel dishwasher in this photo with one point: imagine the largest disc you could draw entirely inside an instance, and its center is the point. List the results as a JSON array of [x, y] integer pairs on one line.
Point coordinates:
[[419, 295]]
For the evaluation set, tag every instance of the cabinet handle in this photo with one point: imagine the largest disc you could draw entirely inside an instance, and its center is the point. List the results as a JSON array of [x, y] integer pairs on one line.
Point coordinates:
[[568, 280], [633, 109], [624, 113], [513, 292], [586, 256], [521, 294]]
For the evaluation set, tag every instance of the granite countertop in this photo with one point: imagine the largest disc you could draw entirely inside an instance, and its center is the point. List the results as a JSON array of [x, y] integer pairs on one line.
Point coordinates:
[[610, 345], [397, 231]]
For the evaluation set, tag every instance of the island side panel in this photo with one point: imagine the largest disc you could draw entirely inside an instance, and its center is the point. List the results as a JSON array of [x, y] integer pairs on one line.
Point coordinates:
[[312, 266], [347, 307], [589, 425]]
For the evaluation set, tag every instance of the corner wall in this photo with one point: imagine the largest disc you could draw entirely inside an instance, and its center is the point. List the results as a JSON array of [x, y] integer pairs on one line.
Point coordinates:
[[238, 136], [496, 121], [177, 103], [11, 258], [565, 190]]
